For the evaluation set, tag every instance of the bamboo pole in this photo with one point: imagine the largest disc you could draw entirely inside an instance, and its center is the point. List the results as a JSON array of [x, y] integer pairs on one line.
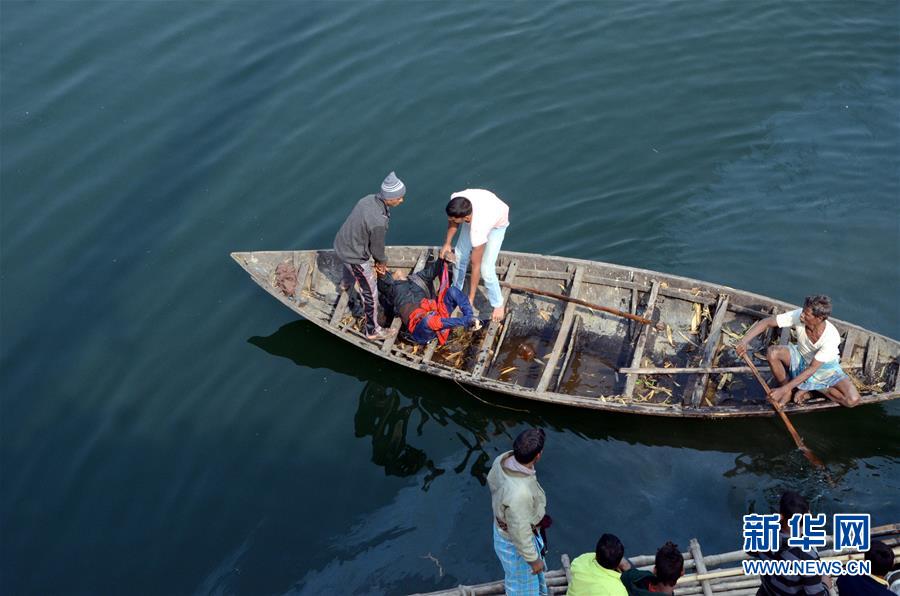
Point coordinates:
[[613, 311], [701, 566], [793, 431], [649, 560], [686, 370]]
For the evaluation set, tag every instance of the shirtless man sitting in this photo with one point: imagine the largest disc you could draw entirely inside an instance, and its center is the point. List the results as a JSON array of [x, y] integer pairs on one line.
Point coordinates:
[[813, 363]]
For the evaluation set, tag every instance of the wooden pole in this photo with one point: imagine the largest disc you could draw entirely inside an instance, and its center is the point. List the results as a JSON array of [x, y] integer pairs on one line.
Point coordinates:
[[687, 370], [796, 436], [701, 566], [613, 311]]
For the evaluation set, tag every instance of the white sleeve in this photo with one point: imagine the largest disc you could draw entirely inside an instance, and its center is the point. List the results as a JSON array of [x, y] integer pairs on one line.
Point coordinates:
[[789, 319], [830, 344]]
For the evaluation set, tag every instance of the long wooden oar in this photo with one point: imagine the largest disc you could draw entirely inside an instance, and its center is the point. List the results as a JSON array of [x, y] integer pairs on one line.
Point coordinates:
[[613, 311], [797, 439]]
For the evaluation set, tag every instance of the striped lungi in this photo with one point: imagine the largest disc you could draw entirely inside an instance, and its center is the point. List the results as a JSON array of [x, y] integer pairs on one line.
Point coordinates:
[[517, 577], [827, 375]]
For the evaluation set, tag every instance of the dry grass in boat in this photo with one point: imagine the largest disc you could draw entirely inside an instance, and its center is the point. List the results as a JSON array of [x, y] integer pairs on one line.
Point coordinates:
[[654, 387], [724, 380], [864, 387], [507, 370]]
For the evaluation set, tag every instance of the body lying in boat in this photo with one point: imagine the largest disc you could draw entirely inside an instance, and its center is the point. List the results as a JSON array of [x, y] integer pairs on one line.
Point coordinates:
[[425, 313]]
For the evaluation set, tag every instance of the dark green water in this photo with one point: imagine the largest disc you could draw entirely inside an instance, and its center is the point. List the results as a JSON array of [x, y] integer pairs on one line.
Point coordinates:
[[167, 428]]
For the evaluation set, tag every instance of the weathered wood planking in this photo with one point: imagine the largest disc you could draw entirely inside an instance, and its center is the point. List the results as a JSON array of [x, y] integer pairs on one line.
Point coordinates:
[[643, 332], [507, 323], [563, 335], [429, 351], [849, 345], [339, 309], [488, 340], [871, 361], [299, 295], [710, 348], [569, 349]]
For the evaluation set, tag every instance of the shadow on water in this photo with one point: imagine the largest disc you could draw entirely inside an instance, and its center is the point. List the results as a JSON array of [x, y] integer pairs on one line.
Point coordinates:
[[396, 405]]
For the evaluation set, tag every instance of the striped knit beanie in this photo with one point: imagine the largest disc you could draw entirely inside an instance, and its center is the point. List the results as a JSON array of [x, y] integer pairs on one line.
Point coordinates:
[[392, 187]]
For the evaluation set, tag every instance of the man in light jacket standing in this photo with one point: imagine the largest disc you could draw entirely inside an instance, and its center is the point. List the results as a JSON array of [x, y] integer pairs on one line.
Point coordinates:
[[519, 505], [361, 240], [481, 218]]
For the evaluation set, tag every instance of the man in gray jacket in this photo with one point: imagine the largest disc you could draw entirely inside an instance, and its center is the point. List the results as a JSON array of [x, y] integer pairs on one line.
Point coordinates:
[[519, 506], [361, 240]]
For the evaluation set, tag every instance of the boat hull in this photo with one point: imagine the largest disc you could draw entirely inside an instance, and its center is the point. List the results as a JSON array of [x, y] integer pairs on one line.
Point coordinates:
[[584, 357]]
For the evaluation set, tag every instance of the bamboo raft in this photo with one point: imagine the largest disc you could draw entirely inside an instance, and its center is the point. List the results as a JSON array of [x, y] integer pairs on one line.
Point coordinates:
[[682, 365], [706, 575]]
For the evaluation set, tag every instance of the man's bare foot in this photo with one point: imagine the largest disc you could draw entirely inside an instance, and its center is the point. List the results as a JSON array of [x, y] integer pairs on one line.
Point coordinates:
[[498, 314], [800, 397]]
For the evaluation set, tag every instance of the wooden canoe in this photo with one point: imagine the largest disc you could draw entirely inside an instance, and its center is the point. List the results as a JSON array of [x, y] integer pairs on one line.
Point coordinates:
[[682, 366], [720, 574]]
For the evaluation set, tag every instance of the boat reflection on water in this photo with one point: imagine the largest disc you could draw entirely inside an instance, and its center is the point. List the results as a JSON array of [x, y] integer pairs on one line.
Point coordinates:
[[383, 416], [397, 406]]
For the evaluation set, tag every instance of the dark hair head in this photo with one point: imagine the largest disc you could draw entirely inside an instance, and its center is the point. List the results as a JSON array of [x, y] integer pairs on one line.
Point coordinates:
[[609, 551], [528, 444], [882, 558], [818, 305], [669, 564], [459, 207], [792, 503]]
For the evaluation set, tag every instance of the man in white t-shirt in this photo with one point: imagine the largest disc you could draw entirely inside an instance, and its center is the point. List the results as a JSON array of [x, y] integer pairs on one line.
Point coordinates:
[[813, 363], [481, 218]]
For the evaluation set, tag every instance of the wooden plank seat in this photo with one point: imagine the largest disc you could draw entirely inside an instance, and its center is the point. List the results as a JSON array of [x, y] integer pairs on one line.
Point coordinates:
[[642, 333], [710, 349], [562, 336], [481, 360]]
